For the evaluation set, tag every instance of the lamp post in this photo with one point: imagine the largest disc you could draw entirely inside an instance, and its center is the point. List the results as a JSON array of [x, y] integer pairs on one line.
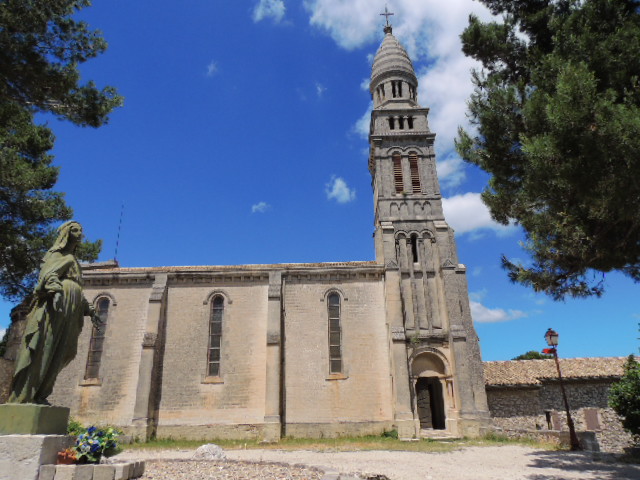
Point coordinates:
[[552, 340]]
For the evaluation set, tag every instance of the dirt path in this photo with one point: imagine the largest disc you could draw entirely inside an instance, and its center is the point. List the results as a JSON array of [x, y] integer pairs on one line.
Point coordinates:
[[473, 463]]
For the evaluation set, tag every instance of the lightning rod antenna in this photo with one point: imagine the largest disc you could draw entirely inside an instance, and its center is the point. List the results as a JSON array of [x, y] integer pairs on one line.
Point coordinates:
[[115, 257]]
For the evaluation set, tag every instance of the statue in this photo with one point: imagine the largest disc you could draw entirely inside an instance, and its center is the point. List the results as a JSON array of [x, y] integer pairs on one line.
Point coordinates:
[[54, 321]]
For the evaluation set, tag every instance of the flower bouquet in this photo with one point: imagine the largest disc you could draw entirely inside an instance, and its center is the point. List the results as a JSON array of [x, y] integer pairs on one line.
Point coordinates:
[[94, 443], [67, 457]]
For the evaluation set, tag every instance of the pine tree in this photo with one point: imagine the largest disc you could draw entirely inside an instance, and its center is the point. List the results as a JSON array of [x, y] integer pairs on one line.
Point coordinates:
[[557, 111], [41, 47]]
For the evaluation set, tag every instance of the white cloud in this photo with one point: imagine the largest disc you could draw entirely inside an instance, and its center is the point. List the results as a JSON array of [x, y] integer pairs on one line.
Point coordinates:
[[269, 8], [466, 213], [260, 207], [430, 30], [482, 314], [2, 332], [450, 170], [212, 69], [362, 125], [320, 89], [477, 296], [364, 85], [338, 190]]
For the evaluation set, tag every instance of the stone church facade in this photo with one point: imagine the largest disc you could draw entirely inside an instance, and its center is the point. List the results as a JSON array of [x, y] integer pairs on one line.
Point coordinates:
[[305, 350]]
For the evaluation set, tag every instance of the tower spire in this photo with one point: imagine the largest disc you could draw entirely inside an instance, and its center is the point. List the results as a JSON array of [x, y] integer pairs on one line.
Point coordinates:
[[387, 14]]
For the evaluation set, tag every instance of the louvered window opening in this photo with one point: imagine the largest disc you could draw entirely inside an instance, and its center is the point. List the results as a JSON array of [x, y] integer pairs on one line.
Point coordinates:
[[215, 337], [335, 334], [96, 344], [397, 173], [415, 174]]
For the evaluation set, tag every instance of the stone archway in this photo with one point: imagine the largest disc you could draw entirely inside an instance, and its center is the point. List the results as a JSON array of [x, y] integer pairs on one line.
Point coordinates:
[[429, 373]]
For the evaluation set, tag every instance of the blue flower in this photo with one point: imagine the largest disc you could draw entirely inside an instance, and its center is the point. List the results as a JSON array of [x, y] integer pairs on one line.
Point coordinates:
[[90, 430]]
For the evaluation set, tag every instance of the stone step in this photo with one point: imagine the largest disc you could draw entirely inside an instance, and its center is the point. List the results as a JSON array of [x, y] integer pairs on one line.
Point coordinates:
[[433, 434]]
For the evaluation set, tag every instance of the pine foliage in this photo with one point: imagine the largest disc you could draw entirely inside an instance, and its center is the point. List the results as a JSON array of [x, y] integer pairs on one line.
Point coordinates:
[[41, 48], [533, 355], [557, 111]]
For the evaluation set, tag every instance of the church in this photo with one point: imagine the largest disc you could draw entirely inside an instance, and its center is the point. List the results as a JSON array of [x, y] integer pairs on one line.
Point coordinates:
[[299, 350]]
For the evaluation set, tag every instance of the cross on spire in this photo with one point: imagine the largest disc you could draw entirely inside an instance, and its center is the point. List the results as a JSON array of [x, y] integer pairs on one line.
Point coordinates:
[[387, 14]]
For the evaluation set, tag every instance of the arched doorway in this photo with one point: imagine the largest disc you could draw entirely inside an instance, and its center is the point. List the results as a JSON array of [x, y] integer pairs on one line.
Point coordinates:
[[429, 372]]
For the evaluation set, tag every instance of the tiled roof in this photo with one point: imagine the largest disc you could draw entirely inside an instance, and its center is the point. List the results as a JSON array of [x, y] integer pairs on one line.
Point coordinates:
[[533, 372]]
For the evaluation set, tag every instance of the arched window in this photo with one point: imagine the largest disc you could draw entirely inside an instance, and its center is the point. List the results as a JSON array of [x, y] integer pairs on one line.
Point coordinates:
[[335, 334], [397, 172], [96, 344], [215, 336], [414, 248]]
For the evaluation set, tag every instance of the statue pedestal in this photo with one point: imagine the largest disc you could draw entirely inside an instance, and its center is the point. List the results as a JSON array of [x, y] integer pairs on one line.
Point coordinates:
[[30, 436], [22, 455], [31, 419]]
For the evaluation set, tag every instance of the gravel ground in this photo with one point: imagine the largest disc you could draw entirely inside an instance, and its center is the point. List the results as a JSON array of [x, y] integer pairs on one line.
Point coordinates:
[[473, 463], [226, 470]]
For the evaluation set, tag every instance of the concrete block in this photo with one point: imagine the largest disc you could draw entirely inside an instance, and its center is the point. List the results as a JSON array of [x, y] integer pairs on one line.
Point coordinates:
[[122, 471], [22, 455], [104, 472], [83, 472], [26, 418], [138, 470], [65, 472], [47, 472]]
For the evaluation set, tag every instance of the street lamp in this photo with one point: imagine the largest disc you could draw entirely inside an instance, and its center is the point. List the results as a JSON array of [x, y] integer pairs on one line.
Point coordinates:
[[552, 340]]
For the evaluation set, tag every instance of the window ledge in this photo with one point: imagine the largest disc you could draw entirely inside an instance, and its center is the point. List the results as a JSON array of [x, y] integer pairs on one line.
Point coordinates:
[[337, 376], [212, 380], [91, 382]]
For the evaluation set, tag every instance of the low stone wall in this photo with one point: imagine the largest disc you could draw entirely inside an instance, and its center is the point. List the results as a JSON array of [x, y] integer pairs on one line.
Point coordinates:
[[536, 411], [118, 471]]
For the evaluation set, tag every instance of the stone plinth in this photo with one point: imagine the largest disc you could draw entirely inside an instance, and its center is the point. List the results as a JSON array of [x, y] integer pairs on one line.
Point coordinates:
[[22, 455], [30, 419]]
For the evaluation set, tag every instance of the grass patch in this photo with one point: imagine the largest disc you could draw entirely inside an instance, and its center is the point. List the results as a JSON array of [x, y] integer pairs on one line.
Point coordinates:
[[342, 444]]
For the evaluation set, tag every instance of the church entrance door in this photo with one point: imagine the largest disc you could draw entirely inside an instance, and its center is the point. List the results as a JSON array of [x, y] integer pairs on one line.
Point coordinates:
[[430, 403]]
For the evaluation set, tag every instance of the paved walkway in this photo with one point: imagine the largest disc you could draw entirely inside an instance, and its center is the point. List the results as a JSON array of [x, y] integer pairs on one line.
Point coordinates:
[[474, 463]]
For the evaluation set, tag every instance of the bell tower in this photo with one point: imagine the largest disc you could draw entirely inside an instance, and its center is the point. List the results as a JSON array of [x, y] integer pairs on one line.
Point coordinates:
[[437, 365]]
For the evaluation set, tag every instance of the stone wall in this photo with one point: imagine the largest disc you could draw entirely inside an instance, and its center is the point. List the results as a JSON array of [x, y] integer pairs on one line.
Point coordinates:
[[535, 410], [110, 398], [362, 393], [237, 396], [6, 374]]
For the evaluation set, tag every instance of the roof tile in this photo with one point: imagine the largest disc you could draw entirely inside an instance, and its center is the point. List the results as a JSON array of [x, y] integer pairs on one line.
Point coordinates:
[[533, 372]]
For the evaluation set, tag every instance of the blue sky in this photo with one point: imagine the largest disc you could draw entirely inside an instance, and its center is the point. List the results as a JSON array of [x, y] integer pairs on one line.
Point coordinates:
[[243, 140]]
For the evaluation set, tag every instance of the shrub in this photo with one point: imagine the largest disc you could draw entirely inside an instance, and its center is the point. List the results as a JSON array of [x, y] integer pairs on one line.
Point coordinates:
[[624, 397]]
